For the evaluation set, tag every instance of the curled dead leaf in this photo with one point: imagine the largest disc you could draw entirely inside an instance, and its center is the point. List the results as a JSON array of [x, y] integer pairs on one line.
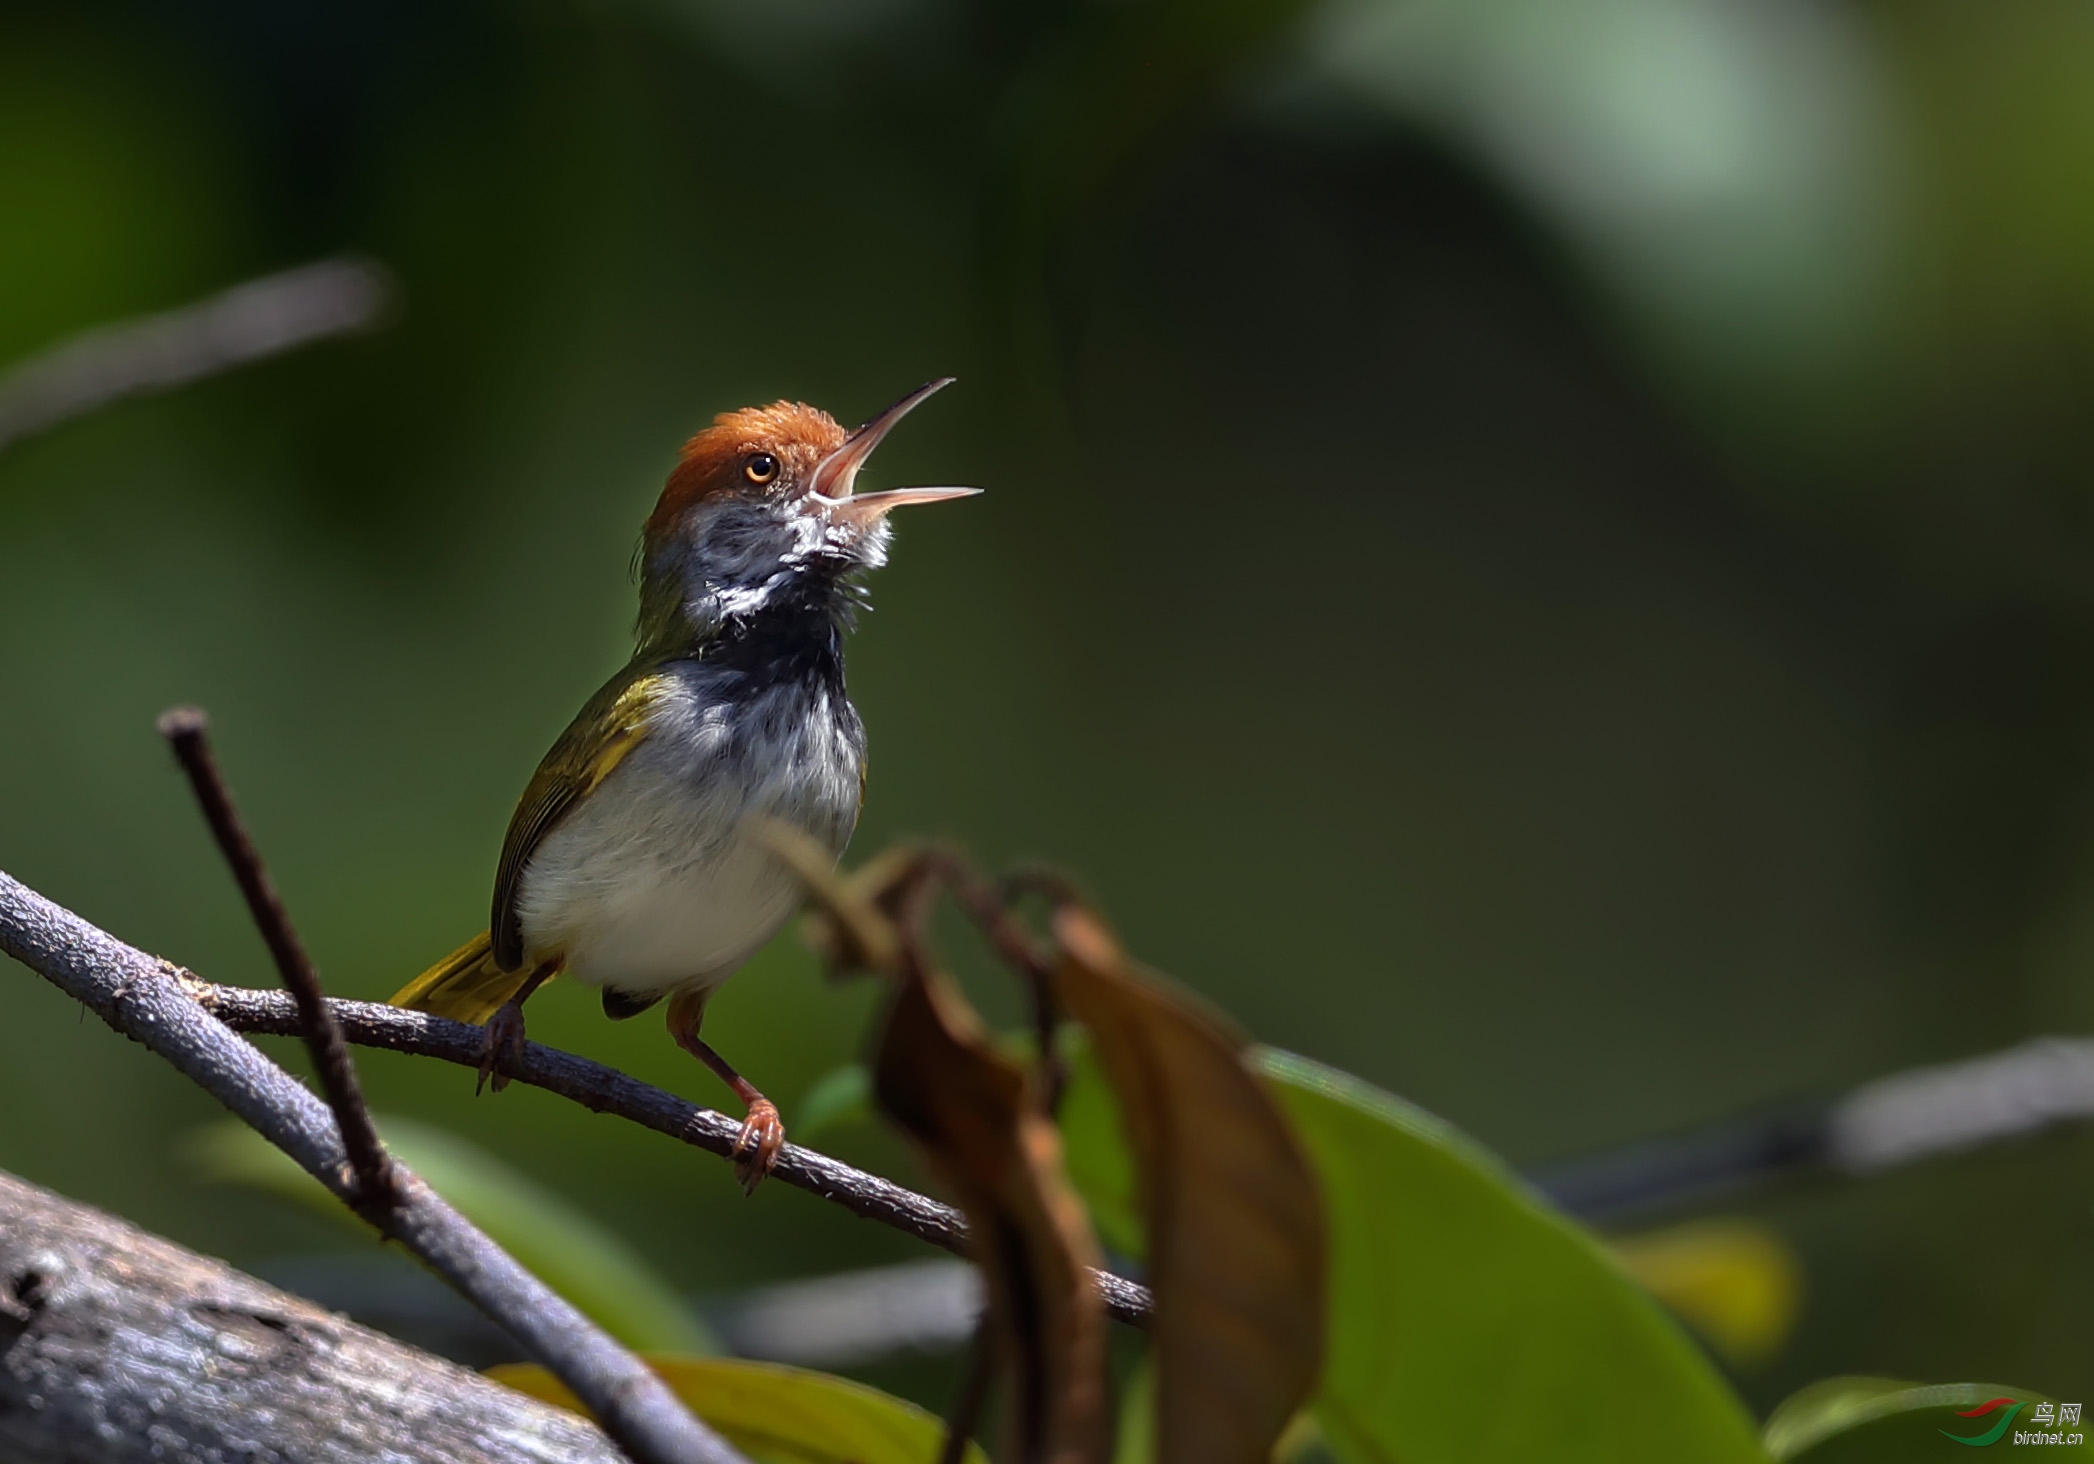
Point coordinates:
[[1234, 1217], [972, 1112]]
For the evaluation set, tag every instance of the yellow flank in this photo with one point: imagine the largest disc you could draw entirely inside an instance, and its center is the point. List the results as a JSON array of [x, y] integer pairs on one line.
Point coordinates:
[[609, 726], [468, 985]]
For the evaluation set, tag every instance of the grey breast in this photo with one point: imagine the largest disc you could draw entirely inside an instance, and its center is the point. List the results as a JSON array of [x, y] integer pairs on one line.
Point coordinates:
[[789, 748]]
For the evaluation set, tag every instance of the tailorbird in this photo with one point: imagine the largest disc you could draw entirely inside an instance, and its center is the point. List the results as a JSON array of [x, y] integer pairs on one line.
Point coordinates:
[[635, 860]]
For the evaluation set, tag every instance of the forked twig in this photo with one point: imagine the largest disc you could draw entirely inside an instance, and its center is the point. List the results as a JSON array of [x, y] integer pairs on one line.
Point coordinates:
[[371, 1167], [145, 1000], [646, 1419]]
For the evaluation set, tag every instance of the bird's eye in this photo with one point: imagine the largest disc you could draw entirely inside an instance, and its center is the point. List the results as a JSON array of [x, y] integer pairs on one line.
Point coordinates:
[[761, 467]]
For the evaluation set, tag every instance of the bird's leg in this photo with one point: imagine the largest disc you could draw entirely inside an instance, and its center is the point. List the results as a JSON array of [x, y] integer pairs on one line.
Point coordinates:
[[763, 1133], [503, 1041]]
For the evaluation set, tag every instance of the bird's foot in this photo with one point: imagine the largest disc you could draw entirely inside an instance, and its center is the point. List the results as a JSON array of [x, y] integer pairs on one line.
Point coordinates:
[[501, 1046], [757, 1146]]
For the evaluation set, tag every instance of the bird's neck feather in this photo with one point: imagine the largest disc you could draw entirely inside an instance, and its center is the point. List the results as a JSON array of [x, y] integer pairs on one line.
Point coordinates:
[[704, 593]]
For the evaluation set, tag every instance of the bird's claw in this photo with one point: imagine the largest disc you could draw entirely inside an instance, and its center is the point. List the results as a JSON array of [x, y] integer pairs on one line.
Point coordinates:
[[757, 1146], [500, 1047]]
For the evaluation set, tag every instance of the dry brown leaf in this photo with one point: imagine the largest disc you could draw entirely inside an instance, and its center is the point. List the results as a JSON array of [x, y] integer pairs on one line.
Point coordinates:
[[973, 1114], [1235, 1222]]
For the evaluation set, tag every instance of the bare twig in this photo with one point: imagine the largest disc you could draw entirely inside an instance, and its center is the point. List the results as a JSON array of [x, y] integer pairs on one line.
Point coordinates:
[[250, 322], [598, 1088], [904, 892], [989, 906], [371, 1168], [606, 1090], [145, 999]]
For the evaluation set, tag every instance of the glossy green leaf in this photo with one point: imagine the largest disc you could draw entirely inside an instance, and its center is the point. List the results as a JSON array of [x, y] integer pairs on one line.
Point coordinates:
[[1469, 1322], [575, 1255], [780, 1415], [1883, 1421]]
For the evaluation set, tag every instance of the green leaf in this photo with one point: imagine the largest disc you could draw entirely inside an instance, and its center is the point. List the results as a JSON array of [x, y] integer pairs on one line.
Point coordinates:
[[1135, 1442], [841, 1095], [777, 1414], [568, 1250], [1095, 1152], [1469, 1320], [1882, 1421]]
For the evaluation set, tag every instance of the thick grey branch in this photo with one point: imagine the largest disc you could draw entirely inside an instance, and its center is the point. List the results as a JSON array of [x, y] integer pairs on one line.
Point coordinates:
[[144, 999], [117, 1347]]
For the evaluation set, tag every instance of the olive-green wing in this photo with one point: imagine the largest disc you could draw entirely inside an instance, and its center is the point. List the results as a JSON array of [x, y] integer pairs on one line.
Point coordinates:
[[611, 725]]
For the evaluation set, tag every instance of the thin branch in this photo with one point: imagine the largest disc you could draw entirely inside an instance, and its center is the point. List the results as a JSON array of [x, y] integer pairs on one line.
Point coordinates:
[[887, 906], [604, 1089], [371, 1168], [250, 322], [145, 1000], [989, 907]]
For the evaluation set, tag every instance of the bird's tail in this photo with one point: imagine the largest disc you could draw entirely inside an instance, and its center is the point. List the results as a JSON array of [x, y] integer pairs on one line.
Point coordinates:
[[468, 985]]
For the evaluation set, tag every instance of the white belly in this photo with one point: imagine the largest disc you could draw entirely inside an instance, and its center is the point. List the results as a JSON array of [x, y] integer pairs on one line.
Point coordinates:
[[653, 885], [655, 882], [646, 925]]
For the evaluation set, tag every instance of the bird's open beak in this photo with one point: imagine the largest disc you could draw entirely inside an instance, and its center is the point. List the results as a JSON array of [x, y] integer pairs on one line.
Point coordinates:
[[834, 478]]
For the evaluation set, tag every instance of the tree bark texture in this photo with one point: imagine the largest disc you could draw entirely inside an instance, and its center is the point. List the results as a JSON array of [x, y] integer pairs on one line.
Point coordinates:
[[117, 1346]]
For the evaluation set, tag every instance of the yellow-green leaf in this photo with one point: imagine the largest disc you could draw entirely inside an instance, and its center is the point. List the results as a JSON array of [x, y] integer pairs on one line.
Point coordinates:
[[1734, 1281], [1883, 1421], [777, 1414]]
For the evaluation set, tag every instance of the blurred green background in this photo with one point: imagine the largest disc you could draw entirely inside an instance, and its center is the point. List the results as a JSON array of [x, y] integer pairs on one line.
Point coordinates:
[[1536, 550]]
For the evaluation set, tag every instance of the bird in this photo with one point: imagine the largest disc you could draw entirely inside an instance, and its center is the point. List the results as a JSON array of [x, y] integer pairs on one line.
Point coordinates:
[[639, 859]]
